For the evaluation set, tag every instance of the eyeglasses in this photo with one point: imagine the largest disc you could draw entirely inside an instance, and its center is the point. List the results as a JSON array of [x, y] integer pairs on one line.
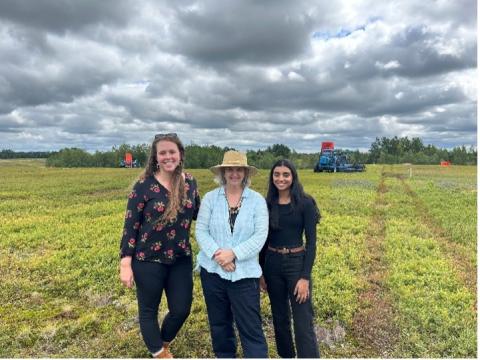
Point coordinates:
[[161, 136]]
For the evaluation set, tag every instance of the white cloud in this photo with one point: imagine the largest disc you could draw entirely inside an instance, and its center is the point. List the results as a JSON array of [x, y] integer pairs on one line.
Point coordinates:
[[394, 64], [292, 75]]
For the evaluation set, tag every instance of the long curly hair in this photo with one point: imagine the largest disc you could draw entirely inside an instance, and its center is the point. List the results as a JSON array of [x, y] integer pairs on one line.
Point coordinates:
[[297, 195], [177, 194]]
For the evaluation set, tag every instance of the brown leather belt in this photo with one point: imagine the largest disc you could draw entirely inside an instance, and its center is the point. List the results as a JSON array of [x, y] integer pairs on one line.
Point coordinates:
[[285, 251]]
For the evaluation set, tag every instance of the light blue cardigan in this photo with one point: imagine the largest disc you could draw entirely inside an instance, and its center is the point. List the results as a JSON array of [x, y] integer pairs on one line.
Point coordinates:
[[250, 231]]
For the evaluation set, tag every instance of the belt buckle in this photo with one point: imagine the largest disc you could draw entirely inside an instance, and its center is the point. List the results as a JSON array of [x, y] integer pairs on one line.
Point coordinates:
[[284, 251]]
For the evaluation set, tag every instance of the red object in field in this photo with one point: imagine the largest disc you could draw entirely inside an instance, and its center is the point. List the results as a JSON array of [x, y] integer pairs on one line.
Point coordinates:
[[445, 163], [329, 145], [128, 159]]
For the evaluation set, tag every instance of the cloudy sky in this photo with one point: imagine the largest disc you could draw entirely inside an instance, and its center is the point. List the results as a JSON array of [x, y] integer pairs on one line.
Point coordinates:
[[246, 74]]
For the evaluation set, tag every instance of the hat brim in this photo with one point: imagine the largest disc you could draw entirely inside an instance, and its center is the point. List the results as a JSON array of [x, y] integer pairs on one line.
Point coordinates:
[[252, 170]]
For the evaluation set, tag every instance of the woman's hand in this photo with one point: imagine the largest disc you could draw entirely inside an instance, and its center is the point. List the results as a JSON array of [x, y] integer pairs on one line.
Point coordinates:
[[263, 284], [230, 267], [223, 256], [301, 291], [126, 273], [226, 259]]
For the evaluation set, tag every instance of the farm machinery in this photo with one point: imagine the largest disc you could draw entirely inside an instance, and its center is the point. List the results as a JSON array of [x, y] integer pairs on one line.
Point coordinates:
[[332, 160], [128, 161]]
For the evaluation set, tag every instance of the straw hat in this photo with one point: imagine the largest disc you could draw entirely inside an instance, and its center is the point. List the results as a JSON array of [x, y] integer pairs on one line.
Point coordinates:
[[234, 159]]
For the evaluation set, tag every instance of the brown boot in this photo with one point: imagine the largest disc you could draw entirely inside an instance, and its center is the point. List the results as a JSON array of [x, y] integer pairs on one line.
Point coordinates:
[[164, 353]]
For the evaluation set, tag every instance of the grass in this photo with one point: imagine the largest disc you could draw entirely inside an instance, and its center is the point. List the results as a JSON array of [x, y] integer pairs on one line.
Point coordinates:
[[59, 241]]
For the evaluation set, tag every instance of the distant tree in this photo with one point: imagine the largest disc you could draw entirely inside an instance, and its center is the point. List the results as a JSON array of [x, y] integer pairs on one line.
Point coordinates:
[[70, 157], [266, 161], [375, 151], [304, 161], [104, 159], [460, 155], [7, 154], [356, 157], [202, 157], [416, 145], [279, 150], [10, 154]]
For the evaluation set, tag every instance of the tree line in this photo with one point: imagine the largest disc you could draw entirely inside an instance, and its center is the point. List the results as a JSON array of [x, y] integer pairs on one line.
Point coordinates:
[[404, 150], [383, 150], [10, 154]]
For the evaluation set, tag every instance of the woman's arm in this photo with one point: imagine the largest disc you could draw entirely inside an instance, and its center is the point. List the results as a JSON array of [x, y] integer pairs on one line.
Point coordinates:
[[133, 219], [196, 195], [310, 223], [202, 233]]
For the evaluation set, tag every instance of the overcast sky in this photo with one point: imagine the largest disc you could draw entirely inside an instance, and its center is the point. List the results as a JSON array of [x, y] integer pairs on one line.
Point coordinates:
[[244, 74]]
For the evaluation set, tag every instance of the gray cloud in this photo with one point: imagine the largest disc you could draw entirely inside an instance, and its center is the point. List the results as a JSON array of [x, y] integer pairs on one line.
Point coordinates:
[[247, 74], [247, 31], [59, 16]]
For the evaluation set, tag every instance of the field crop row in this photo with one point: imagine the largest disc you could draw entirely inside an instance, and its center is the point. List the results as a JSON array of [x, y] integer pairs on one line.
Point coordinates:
[[436, 311], [377, 245]]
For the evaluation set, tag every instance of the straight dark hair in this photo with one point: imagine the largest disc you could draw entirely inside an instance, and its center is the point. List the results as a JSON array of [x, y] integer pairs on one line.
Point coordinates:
[[297, 194]]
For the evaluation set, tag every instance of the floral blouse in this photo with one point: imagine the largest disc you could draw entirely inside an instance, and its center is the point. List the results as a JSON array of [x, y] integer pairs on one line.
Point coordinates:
[[148, 239]]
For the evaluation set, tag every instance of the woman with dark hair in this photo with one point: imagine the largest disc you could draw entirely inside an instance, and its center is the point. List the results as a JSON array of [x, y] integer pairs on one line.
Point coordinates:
[[287, 262], [155, 249]]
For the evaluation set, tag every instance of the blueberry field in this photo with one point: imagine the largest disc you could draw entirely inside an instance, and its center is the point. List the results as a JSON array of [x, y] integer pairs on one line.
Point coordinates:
[[395, 272]]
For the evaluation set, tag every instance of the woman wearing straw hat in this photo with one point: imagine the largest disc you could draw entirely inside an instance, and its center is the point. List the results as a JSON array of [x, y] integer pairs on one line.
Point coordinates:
[[231, 228]]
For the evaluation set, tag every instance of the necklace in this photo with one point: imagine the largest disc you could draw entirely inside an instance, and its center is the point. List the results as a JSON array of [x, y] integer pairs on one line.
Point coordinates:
[[233, 211]]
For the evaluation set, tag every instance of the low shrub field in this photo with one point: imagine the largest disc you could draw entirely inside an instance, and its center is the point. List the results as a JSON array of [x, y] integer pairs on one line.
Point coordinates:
[[394, 276]]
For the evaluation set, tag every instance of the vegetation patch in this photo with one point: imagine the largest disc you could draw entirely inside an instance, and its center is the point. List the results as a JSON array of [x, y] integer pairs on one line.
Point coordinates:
[[59, 241], [436, 311]]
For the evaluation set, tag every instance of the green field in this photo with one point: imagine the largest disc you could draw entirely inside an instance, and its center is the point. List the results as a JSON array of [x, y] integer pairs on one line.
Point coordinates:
[[395, 273]]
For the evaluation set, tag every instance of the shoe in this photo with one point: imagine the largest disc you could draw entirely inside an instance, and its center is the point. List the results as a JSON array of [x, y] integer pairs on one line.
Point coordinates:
[[164, 353]]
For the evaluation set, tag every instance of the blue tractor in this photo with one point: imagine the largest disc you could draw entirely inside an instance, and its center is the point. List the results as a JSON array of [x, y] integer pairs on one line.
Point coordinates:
[[332, 160]]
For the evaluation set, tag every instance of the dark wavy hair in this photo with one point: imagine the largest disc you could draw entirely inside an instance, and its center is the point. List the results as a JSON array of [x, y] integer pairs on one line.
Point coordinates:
[[178, 183], [297, 194]]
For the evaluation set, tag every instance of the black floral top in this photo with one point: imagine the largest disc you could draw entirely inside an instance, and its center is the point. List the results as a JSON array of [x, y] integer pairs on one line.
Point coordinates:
[[148, 239]]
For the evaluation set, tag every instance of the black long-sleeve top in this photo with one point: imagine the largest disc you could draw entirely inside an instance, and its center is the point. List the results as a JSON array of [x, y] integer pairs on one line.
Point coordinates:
[[292, 226], [147, 239]]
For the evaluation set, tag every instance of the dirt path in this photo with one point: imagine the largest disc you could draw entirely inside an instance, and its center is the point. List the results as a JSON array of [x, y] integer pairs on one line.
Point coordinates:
[[373, 325]]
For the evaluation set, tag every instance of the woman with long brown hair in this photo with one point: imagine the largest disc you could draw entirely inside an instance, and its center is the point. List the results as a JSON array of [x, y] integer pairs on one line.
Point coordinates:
[[155, 248]]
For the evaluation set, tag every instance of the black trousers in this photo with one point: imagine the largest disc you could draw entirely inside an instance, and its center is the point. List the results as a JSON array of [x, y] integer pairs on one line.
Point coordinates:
[[228, 301], [151, 279], [281, 274]]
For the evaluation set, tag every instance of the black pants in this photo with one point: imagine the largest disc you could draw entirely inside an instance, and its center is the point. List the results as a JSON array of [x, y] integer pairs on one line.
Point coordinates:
[[240, 300], [281, 275], [151, 278]]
